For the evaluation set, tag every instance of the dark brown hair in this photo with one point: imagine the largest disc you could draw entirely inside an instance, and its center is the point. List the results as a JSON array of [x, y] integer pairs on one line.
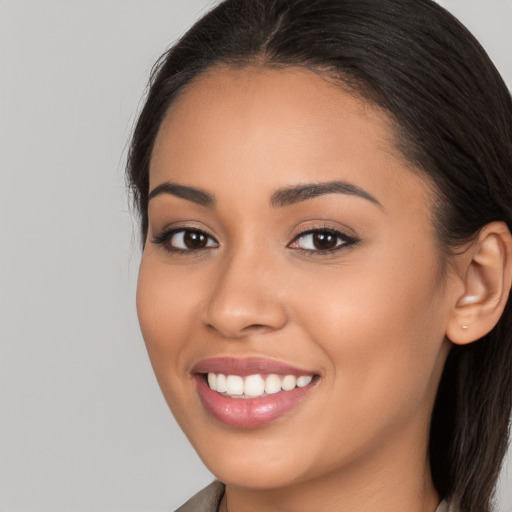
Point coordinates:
[[453, 116]]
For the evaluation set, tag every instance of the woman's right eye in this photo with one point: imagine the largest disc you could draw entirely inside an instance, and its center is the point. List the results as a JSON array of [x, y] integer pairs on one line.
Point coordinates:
[[185, 240]]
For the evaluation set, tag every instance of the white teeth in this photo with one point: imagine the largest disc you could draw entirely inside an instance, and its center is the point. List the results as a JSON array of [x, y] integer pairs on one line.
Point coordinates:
[[256, 385], [304, 381], [235, 385], [289, 382], [221, 383], [212, 380], [272, 384]]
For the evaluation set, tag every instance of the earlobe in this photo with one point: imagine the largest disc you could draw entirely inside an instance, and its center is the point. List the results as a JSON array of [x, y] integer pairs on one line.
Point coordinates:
[[487, 276]]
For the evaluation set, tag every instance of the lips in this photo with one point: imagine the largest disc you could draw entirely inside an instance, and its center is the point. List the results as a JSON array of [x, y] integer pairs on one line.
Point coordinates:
[[248, 393], [249, 366]]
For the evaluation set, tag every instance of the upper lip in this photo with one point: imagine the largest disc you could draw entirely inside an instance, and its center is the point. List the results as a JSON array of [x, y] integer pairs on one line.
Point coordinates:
[[247, 366]]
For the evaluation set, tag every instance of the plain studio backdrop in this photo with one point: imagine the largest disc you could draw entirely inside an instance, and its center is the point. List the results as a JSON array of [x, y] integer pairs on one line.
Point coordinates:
[[83, 426]]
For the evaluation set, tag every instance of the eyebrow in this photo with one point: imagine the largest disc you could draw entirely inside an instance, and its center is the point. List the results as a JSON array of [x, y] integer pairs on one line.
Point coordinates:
[[299, 193], [282, 197], [193, 194]]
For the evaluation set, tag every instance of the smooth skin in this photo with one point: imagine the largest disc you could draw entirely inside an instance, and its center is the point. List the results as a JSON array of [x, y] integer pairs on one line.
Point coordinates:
[[244, 276]]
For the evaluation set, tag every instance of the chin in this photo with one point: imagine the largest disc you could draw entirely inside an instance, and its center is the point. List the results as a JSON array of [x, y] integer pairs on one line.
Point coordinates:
[[254, 459], [248, 473]]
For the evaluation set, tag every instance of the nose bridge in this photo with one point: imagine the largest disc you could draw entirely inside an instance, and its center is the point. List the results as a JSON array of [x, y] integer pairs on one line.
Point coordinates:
[[245, 297]]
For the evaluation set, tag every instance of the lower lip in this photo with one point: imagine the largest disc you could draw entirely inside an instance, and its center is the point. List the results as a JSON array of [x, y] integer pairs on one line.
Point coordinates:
[[249, 412]]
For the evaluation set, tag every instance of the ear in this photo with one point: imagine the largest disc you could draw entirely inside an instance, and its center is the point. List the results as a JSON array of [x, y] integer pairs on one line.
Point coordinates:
[[486, 275]]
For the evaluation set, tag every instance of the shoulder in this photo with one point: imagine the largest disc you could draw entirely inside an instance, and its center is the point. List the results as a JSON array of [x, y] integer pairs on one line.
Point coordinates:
[[207, 500]]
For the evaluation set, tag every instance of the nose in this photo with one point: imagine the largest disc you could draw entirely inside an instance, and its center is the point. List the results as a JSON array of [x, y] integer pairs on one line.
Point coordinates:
[[246, 298]]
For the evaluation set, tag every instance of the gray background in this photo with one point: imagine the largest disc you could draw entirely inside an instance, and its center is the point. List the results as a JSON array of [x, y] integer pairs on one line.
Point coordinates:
[[82, 424]]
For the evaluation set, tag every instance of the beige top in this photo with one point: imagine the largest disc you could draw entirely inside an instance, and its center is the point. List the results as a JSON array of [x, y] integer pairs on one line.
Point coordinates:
[[208, 500]]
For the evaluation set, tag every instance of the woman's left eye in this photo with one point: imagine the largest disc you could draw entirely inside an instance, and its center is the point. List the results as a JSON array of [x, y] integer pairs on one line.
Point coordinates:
[[321, 240]]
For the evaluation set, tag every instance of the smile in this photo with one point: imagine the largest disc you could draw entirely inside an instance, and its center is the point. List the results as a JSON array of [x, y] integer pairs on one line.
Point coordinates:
[[253, 386], [249, 393]]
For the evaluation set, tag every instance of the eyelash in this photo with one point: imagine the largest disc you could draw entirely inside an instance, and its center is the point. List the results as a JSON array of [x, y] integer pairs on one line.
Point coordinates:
[[346, 240], [164, 239]]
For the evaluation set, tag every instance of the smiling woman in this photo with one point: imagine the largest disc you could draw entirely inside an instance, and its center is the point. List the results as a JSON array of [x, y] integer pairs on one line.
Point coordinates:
[[327, 256]]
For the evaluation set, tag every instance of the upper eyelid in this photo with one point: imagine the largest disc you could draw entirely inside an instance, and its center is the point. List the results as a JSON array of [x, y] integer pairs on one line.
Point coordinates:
[[347, 241], [167, 233], [305, 231], [176, 229], [309, 231]]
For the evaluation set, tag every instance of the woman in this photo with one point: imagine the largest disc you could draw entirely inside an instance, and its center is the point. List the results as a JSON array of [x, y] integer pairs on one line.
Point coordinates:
[[325, 199]]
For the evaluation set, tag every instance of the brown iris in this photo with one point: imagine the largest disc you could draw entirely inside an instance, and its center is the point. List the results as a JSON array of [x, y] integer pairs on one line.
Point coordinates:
[[324, 240], [195, 240]]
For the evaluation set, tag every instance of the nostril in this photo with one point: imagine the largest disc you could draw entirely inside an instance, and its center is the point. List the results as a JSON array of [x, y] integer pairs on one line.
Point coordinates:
[[235, 315], [256, 326], [239, 332]]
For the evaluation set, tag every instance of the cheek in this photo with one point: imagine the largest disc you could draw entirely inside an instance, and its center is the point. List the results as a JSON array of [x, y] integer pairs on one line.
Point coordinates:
[[163, 305], [381, 327]]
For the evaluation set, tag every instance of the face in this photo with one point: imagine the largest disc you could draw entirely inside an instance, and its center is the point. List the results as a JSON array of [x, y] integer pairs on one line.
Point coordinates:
[[291, 263]]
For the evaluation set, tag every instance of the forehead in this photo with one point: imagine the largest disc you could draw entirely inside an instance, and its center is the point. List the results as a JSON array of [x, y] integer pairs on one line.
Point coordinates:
[[295, 97], [276, 126]]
